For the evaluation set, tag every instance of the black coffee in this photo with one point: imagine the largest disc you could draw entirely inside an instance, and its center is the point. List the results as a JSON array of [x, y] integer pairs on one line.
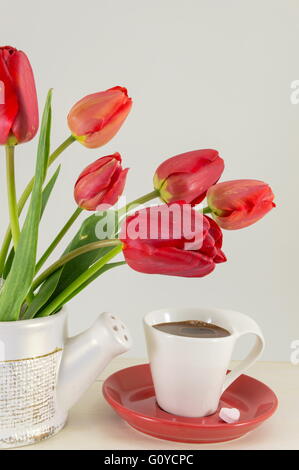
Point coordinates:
[[193, 329]]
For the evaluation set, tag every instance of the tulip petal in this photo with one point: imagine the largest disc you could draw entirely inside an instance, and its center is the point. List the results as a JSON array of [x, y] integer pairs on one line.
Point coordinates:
[[192, 187], [241, 219], [9, 109], [168, 261], [91, 112], [90, 188], [240, 203], [26, 123], [167, 255], [102, 182], [99, 163], [190, 162], [188, 176], [116, 189], [220, 257], [96, 118], [112, 126]]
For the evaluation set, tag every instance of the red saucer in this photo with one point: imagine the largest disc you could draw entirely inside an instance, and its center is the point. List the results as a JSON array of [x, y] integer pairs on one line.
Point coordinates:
[[131, 393]]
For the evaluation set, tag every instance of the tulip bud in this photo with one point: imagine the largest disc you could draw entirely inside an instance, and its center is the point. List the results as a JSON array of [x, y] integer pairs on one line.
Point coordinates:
[[19, 108], [96, 118], [187, 177], [102, 182], [239, 203], [160, 240]]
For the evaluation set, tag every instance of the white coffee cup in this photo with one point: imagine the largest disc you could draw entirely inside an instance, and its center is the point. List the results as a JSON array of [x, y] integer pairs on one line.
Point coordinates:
[[190, 373]]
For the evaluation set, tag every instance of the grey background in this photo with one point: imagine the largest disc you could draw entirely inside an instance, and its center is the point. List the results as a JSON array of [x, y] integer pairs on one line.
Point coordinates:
[[202, 74]]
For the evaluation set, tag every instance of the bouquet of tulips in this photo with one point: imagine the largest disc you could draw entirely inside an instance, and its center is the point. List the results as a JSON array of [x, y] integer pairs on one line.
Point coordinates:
[[175, 237]]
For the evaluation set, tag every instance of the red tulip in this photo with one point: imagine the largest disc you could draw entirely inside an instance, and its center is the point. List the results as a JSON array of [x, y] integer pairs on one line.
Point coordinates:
[[19, 112], [188, 176], [158, 240], [96, 118], [239, 203], [102, 182]]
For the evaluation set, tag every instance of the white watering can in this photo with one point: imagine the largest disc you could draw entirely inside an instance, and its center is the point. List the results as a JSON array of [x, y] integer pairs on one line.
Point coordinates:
[[43, 372]]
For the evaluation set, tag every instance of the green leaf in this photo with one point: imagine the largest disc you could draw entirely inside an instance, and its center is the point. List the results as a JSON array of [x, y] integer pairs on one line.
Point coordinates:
[[49, 188], [53, 279], [42, 296], [87, 234], [73, 269], [19, 280], [77, 283], [105, 268], [46, 195]]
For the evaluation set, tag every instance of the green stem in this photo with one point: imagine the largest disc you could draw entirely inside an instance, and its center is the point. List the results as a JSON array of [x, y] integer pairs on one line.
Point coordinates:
[[84, 277], [57, 239], [65, 144], [27, 191], [23, 199], [67, 292], [206, 210], [91, 279], [137, 202], [11, 192], [91, 246], [71, 255]]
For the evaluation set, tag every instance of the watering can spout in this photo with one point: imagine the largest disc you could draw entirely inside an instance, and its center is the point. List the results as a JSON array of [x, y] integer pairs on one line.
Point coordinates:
[[86, 355]]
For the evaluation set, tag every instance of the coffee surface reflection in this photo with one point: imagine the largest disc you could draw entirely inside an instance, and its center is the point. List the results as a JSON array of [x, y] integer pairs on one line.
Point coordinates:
[[192, 329]]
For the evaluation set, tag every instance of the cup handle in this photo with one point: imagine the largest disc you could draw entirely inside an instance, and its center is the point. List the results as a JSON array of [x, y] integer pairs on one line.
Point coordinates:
[[250, 359]]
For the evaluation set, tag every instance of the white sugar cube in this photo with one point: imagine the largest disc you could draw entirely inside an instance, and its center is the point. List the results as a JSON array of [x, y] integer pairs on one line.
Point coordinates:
[[229, 415]]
